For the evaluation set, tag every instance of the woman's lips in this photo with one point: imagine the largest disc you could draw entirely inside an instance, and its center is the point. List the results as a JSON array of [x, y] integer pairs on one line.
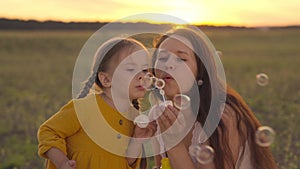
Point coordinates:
[[167, 78]]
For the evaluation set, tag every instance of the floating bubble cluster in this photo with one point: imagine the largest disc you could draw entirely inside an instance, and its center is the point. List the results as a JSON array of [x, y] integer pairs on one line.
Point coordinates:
[[264, 136], [159, 83], [262, 79], [204, 154], [147, 81], [157, 100]]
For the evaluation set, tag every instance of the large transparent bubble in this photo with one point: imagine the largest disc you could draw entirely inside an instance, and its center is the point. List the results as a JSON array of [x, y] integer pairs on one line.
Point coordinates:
[[88, 111]]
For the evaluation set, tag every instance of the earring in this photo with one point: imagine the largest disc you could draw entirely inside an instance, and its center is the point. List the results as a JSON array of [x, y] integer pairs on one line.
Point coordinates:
[[200, 82], [171, 67]]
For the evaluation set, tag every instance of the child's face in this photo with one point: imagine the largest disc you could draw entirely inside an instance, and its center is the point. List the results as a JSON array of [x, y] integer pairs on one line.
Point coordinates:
[[132, 65], [176, 65]]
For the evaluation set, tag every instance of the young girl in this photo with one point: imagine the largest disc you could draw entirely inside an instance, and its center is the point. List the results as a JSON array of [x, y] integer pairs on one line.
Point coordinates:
[[74, 138], [233, 140]]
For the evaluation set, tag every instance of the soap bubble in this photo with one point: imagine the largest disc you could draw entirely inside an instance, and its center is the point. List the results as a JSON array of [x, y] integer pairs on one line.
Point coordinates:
[[142, 120], [264, 136], [147, 81], [159, 83], [162, 92], [204, 154], [262, 79], [181, 101]]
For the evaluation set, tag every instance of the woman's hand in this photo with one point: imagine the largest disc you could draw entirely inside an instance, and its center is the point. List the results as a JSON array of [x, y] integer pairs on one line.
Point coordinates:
[[172, 126], [171, 117]]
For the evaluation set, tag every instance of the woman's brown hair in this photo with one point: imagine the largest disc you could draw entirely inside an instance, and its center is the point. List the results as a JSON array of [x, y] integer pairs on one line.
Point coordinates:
[[247, 124]]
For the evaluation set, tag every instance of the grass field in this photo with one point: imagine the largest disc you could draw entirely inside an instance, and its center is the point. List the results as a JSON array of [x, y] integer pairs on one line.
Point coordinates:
[[36, 70]]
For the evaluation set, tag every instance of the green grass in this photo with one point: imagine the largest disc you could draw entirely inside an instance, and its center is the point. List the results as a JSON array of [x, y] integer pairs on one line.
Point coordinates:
[[36, 80]]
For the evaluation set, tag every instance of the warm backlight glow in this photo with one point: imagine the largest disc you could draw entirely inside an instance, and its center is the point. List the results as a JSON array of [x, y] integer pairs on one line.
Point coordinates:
[[216, 12]]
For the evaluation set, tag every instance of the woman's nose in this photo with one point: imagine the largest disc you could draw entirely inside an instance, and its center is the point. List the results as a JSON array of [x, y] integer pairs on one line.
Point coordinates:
[[170, 64]]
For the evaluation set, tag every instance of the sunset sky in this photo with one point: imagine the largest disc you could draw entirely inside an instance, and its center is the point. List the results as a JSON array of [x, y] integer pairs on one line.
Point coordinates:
[[214, 12]]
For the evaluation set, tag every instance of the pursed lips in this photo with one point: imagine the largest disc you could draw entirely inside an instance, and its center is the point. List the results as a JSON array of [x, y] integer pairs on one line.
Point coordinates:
[[140, 87], [167, 77]]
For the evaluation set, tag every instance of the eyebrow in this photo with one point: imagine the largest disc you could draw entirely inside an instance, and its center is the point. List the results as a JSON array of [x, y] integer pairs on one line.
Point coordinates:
[[182, 52], [134, 64], [129, 64]]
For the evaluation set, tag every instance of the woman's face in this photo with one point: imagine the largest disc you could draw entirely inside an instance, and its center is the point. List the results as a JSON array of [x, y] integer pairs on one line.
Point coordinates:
[[176, 65]]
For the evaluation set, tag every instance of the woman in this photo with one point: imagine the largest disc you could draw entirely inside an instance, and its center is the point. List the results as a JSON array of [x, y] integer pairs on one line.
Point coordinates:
[[233, 140]]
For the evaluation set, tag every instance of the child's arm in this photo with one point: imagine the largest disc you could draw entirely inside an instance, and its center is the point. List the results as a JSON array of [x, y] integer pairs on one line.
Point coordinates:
[[140, 135], [134, 150], [60, 160], [52, 133]]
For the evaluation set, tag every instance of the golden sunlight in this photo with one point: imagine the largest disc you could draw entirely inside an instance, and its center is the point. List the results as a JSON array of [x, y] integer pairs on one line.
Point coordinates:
[[214, 12]]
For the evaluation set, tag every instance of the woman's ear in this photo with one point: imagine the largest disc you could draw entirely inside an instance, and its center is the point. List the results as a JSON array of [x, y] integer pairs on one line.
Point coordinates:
[[105, 79]]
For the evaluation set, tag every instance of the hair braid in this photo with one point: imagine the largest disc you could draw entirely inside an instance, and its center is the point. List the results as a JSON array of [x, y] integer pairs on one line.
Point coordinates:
[[87, 85]]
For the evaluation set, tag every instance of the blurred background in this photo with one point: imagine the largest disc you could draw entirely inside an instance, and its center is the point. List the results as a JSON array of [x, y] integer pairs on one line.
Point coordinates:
[[41, 40]]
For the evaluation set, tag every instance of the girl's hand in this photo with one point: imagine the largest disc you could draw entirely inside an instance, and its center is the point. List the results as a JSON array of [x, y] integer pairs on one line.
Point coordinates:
[[144, 133], [69, 164]]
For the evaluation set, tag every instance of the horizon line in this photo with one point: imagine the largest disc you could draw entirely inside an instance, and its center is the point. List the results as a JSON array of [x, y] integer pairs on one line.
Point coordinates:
[[150, 22]]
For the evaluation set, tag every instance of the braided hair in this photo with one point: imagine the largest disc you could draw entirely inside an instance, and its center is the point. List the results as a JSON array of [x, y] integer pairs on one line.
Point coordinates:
[[102, 59]]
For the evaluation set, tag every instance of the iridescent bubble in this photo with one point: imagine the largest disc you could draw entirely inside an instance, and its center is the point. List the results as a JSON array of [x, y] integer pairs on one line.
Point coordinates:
[[262, 79], [204, 154], [181, 101], [142, 120], [158, 109], [162, 92], [147, 81], [159, 83], [264, 136]]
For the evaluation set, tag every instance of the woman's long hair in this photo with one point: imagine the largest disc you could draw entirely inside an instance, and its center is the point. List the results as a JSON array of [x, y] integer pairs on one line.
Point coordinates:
[[261, 158]]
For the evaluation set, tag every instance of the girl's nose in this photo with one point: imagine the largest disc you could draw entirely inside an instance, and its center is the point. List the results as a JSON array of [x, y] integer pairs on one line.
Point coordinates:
[[141, 74]]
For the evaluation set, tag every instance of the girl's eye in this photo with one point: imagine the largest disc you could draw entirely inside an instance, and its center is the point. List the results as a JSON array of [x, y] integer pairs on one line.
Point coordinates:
[[130, 69], [145, 70]]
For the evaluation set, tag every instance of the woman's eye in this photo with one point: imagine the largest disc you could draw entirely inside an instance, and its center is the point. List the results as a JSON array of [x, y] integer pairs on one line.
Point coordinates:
[[163, 59], [181, 59], [163, 56]]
